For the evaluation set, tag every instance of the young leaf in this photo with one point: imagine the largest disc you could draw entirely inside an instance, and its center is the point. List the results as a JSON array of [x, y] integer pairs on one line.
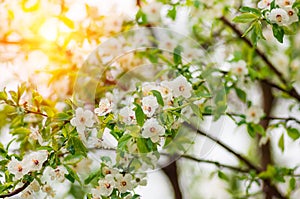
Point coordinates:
[[293, 133], [281, 143], [251, 130], [278, 32], [241, 94], [252, 10], [139, 115], [292, 183], [158, 97], [172, 13], [177, 55], [142, 146], [123, 141], [222, 176], [72, 176], [245, 18]]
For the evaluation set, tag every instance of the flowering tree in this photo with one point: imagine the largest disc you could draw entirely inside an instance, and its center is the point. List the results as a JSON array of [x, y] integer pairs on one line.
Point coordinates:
[[95, 96]]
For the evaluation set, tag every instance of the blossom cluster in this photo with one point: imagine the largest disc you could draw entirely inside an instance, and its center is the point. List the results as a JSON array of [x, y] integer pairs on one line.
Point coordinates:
[[114, 182], [31, 162], [282, 14], [154, 98]]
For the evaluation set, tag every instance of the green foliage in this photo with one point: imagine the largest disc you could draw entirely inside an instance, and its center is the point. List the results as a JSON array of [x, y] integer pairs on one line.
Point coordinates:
[[159, 98], [293, 133], [245, 18], [139, 115], [281, 142], [278, 32]]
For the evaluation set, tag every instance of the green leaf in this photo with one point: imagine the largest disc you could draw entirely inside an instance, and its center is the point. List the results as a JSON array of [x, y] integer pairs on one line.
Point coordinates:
[[252, 10], [14, 96], [222, 176], [241, 94], [177, 55], [123, 141], [20, 131], [278, 32], [259, 129], [273, 5], [269, 173], [257, 33], [172, 13], [73, 159], [63, 117], [92, 176], [135, 196], [3, 95], [72, 176], [77, 191], [141, 18], [251, 130], [139, 115], [281, 143], [293, 133], [158, 97], [245, 18], [142, 145], [196, 110], [76, 147], [292, 183]]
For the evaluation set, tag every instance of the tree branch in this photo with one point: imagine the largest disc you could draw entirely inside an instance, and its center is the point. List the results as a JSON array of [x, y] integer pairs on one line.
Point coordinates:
[[292, 92], [218, 164], [227, 148], [16, 191], [172, 174]]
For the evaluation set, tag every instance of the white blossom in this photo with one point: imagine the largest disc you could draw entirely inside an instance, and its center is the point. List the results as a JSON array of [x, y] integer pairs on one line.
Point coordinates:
[[254, 114], [180, 87], [278, 16], [109, 171], [166, 93], [264, 4], [106, 185], [152, 129], [36, 135], [149, 105], [113, 23], [82, 119], [239, 68], [18, 168], [35, 160], [284, 3], [93, 141], [127, 115], [147, 87], [152, 10], [124, 182], [292, 13], [58, 174], [48, 190], [96, 193], [105, 107]]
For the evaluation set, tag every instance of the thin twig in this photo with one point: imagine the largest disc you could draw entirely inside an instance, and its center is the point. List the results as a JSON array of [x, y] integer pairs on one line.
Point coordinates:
[[218, 164], [16, 191], [227, 148]]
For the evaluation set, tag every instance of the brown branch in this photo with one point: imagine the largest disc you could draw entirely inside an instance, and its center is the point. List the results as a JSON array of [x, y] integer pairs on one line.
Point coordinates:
[[172, 174], [218, 164], [16, 191], [35, 112], [227, 148], [292, 92]]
